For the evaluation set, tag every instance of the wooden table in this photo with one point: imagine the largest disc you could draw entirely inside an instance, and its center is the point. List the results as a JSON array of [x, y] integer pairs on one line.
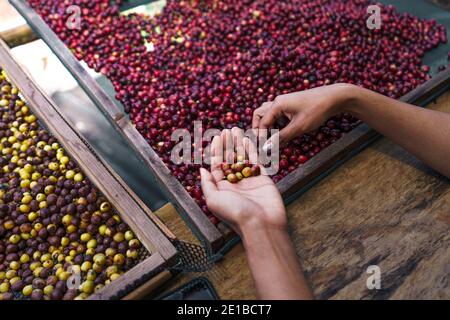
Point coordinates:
[[383, 207]]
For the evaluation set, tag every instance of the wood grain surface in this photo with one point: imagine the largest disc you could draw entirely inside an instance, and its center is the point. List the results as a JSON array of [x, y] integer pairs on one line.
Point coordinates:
[[383, 207]]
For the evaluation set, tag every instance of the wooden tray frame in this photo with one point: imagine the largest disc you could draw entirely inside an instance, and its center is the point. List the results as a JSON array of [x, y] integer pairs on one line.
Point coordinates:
[[291, 186], [155, 237]]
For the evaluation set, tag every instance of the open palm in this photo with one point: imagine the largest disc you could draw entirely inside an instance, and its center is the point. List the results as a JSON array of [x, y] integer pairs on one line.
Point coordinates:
[[254, 198]]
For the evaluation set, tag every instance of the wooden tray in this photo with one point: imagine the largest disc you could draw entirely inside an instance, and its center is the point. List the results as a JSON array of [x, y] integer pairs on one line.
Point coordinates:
[[291, 186], [155, 237]]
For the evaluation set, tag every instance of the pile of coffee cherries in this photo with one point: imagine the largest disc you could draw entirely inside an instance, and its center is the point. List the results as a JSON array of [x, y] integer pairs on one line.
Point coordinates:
[[56, 228], [239, 169], [217, 61]]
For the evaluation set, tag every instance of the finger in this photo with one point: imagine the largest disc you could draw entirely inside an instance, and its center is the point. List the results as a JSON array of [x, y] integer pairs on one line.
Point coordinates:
[[259, 113], [238, 139], [251, 150], [271, 115], [217, 158], [216, 146], [227, 140], [208, 184]]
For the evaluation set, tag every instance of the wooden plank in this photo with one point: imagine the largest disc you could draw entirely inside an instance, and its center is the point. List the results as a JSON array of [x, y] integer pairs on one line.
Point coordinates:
[[178, 195], [297, 181], [133, 276], [149, 287], [95, 168]]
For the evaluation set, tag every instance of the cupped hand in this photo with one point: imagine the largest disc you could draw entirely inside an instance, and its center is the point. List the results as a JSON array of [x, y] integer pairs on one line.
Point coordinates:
[[250, 202], [306, 110]]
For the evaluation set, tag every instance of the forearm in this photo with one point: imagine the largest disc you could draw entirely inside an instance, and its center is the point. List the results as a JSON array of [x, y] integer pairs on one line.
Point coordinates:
[[274, 264], [423, 132]]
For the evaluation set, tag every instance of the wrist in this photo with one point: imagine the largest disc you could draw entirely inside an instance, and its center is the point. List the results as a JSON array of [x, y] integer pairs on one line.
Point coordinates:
[[353, 98], [259, 236], [348, 99], [256, 227]]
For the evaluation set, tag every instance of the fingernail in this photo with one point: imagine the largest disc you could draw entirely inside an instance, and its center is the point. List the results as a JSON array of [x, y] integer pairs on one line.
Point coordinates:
[[267, 146]]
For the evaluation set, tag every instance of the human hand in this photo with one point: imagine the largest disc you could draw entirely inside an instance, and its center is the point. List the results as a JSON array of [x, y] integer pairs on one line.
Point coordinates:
[[306, 110], [253, 202]]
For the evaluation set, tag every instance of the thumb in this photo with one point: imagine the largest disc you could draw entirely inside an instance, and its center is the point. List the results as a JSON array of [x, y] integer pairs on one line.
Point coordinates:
[[208, 183]]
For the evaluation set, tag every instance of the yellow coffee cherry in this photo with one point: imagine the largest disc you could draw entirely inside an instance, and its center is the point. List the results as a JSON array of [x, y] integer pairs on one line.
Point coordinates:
[[27, 290], [48, 289], [49, 189], [78, 177], [14, 265], [85, 237], [27, 199], [132, 254], [4, 287], [102, 230], [64, 160], [25, 184], [24, 208], [105, 207], [65, 241], [10, 274], [70, 174], [14, 239], [87, 287], [86, 266], [66, 219], [110, 252], [35, 176], [99, 259], [91, 244], [71, 228], [24, 258], [53, 166], [114, 276], [129, 235], [32, 216]]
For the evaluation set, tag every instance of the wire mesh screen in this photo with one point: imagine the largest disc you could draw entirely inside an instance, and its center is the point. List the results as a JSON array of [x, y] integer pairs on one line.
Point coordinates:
[[192, 258]]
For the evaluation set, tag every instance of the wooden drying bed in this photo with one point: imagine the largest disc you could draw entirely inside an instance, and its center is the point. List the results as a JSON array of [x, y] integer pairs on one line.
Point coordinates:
[[148, 228]]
